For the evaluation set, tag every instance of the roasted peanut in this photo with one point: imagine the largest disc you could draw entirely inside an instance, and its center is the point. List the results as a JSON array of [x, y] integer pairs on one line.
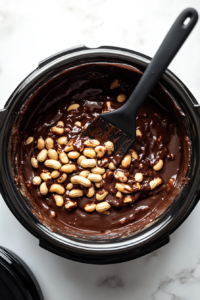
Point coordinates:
[[89, 152], [73, 154], [119, 195], [84, 173], [134, 154], [94, 177], [92, 143], [64, 158], [120, 176], [76, 193], [73, 106], [68, 168], [37, 180], [98, 184], [62, 140], [70, 204], [170, 184], [111, 166], [60, 123], [104, 162], [108, 104], [91, 191], [34, 162], [52, 213], [56, 188], [53, 164], [100, 195], [158, 166], [90, 207], [110, 147], [43, 189], [55, 174], [98, 170], [40, 144], [52, 154], [58, 130], [124, 188], [139, 177], [59, 200], [45, 176], [80, 180], [100, 151], [138, 133], [155, 182], [103, 206], [62, 178], [69, 186], [136, 187], [42, 155], [69, 146], [126, 161], [29, 140], [79, 160], [114, 84], [128, 199], [49, 143], [121, 97], [88, 163], [78, 124]]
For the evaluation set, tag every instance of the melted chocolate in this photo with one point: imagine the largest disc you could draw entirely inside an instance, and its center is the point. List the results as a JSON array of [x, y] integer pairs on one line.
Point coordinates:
[[162, 138]]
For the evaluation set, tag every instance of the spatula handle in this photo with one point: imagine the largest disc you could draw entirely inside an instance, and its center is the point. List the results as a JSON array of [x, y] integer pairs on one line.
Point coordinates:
[[166, 52]]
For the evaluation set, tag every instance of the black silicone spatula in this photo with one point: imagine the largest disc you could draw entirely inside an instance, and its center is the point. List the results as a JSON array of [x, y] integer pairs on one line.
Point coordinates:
[[123, 131]]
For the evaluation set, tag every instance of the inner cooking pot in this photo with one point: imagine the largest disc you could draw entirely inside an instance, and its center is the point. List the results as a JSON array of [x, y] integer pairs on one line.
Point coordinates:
[[93, 250]]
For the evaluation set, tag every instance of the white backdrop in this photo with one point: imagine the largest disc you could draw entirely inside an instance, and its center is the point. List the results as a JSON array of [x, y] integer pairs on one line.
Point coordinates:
[[33, 30]]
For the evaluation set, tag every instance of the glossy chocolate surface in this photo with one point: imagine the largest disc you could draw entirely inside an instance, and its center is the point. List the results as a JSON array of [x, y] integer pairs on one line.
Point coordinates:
[[163, 137]]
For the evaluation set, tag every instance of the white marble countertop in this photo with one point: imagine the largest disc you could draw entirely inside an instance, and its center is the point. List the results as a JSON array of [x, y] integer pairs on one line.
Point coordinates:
[[33, 30]]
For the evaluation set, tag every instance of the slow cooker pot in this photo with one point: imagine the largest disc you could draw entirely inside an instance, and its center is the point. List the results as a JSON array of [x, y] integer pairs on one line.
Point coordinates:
[[117, 249]]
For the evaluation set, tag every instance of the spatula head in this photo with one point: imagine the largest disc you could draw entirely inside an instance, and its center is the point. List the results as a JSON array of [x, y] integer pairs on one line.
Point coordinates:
[[103, 131]]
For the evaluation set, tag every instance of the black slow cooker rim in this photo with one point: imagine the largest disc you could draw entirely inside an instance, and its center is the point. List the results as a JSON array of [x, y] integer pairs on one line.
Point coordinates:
[[38, 229]]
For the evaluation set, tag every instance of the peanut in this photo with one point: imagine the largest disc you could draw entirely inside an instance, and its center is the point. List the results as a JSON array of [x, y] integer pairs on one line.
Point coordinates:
[[63, 158], [103, 162], [111, 166], [158, 166], [53, 164], [100, 195], [62, 140], [37, 180], [170, 184], [90, 207], [73, 154], [60, 123], [92, 143], [52, 213], [69, 146], [59, 200], [98, 185], [110, 147], [114, 84], [103, 206], [52, 154], [43, 189], [55, 174], [126, 161], [91, 191], [49, 143], [80, 180], [88, 163], [78, 124], [73, 106], [134, 154], [68, 168], [89, 152], [108, 104], [119, 195], [45, 176], [84, 173], [57, 188], [29, 140], [40, 144], [155, 182], [58, 130], [139, 177], [42, 155], [76, 193], [138, 133], [69, 186], [70, 204], [94, 177], [98, 170], [128, 199], [120, 176], [121, 97], [136, 186], [100, 150], [62, 178], [34, 162], [124, 188], [79, 160]]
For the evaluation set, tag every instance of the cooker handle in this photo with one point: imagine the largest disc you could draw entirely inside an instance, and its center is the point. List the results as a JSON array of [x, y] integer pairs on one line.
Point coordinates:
[[47, 60]]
